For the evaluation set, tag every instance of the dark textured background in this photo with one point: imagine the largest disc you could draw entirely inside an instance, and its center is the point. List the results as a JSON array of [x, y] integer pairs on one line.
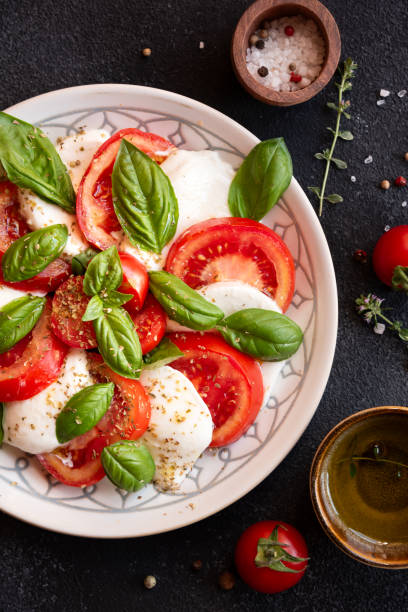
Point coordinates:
[[46, 45]]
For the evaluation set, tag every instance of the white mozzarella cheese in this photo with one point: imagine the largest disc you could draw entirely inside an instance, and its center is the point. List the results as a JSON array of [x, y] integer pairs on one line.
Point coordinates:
[[7, 294], [180, 428], [77, 151], [30, 424]]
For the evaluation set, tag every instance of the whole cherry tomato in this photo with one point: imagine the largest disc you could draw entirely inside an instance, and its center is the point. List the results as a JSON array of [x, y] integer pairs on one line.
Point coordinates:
[[390, 257]]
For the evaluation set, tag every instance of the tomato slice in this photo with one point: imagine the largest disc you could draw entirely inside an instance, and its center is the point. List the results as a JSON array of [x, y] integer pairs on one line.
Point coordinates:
[[68, 307], [129, 414], [150, 323], [229, 382], [37, 366], [232, 248], [13, 226], [79, 463], [96, 215], [135, 280], [9, 357]]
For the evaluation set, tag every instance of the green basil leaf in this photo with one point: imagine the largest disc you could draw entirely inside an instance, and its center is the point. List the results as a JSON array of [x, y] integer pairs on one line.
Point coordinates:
[[162, 355], [80, 262], [264, 334], [261, 180], [115, 298], [83, 411], [32, 253], [1, 423], [128, 464], [17, 319], [118, 342], [104, 273], [30, 161], [94, 309], [143, 198], [182, 303]]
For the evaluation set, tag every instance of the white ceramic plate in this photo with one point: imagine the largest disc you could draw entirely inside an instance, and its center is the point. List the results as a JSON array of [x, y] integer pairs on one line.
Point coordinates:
[[219, 478]]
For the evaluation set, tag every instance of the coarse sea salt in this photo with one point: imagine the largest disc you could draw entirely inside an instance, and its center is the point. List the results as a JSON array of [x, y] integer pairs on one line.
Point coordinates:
[[292, 61]]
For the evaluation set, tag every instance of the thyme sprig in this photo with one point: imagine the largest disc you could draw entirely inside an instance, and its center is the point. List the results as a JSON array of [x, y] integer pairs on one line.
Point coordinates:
[[371, 309], [342, 108], [377, 458]]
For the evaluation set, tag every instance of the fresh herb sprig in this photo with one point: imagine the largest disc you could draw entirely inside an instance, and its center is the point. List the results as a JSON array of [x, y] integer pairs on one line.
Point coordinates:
[[377, 452], [342, 108], [371, 309]]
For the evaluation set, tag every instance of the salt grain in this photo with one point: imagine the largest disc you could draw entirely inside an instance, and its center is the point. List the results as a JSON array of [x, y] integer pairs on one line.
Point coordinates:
[[380, 102], [404, 203], [353, 179], [368, 160], [387, 228], [201, 45], [384, 93], [305, 48], [379, 328], [402, 93]]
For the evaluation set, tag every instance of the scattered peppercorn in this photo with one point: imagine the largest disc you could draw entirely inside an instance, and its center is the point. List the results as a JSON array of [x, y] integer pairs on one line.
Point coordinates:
[[226, 580], [385, 184], [259, 44], [197, 565], [150, 582], [263, 33], [360, 256], [146, 52], [253, 39], [295, 78], [289, 31], [292, 67], [406, 156], [263, 71], [400, 181]]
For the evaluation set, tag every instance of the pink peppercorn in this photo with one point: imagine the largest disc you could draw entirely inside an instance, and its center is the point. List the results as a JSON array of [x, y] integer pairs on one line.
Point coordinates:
[[289, 31], [295, 78], [400, 181]]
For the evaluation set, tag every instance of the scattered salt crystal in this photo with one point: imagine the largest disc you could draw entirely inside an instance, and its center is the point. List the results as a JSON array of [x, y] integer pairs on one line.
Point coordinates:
[[353, 179], [387, 228], [402, 93], [201, 45], [379, 328], [305, 49], [368, 160], [380, 102], [404, 203], [384, 93]]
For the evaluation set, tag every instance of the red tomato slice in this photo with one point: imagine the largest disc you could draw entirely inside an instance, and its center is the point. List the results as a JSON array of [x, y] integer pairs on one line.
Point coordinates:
[[9, 357], [229, 382], [96, 216], [37, 366], [79, 463], [234, 249], [150, 323], [135, 280], [68, 307], [13, 226]]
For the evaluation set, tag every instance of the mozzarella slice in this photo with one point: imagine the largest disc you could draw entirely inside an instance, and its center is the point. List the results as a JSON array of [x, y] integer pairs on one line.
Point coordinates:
[[30, 424], [7, 294], [180, 427], [201, 181], [76, 152]]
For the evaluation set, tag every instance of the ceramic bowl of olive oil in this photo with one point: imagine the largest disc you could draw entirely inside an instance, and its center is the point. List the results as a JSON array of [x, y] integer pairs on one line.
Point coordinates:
[[359, 486]]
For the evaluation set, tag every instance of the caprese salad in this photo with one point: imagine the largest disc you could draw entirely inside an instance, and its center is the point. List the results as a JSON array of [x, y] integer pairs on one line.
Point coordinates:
[[140, 297]]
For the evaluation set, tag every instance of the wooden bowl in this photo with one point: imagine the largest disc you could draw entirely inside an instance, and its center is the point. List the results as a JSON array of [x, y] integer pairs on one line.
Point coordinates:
[[366, 549], [270, 9]]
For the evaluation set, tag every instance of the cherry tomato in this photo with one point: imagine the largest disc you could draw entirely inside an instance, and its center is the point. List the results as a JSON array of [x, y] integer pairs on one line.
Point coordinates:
[[257, 564], [96, 215], [150, 323], [390, 251], [37, 366], [135, 280], [229, 382], [234, 249], [68, 307]]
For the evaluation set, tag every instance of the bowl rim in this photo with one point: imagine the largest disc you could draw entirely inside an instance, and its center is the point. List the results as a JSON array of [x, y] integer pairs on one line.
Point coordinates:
[[314, 484], [256, 12]]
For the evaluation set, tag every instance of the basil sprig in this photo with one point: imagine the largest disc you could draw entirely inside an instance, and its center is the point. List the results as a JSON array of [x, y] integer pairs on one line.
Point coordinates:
[[128, 464], [31, 161], [182, 303], [143, 198], [1, 423], [115, 332], [162, 355], [80, 262], [264, 334], [261, 180], [32, 253], [83, 411], [17, 319]]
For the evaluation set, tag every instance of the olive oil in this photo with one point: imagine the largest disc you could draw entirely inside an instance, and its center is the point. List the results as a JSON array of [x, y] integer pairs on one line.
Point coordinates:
[[367, 477]]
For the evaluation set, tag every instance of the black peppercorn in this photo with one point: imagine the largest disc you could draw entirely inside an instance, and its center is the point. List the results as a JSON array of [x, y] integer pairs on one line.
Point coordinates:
[[259, 44], [263, 71]]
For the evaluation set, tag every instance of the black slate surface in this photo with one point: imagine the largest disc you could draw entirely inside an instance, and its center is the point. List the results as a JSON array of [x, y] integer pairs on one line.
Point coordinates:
[[47, 45]]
